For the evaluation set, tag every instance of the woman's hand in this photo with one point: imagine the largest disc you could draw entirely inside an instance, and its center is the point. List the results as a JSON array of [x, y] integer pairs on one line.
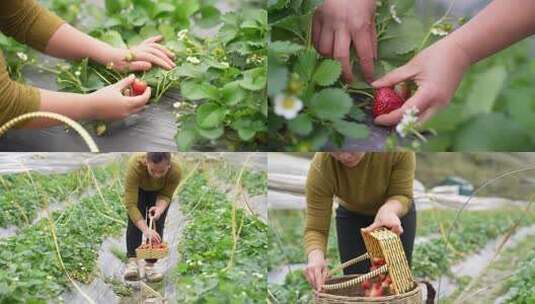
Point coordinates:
[[156, 212], [337, 24], [388, 217], [437, 71], [142, 57], [316, 270], [153, 235], [109, 103]]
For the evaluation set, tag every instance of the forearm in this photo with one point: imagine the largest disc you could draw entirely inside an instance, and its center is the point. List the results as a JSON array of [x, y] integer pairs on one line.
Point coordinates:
[[142, 225], [74, 106], [499, 25], [162, 203], [394, 206], [316, 254], [70, 43]]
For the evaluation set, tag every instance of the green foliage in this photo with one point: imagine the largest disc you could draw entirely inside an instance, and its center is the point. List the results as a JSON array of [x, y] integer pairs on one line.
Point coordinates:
[[204, 274], [470, 233], [24, 194], [295, 69], [31, 270], [493, 109]]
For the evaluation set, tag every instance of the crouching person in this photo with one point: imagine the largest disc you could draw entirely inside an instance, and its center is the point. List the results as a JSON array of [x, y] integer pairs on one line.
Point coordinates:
[[151, 181]]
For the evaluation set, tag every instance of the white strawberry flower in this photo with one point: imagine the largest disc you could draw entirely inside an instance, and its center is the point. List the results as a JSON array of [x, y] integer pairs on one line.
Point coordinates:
[[438, 31], [287, 106], [394, 13], [193, 60], [408, 122], [176, 105], [182, 34], [22, 56]]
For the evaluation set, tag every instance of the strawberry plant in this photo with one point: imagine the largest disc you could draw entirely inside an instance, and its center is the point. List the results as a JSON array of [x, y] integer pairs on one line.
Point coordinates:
[[34, 261], [24, 194], [221, 79], [310, 105], [212, 270]]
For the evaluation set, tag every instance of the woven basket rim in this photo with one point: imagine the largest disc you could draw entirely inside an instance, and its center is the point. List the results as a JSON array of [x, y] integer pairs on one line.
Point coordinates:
[[414, 291]]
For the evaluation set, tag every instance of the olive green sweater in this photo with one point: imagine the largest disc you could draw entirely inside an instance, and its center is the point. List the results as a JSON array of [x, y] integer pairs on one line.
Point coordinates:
[[137, 176], [28, 23], [378, 178]]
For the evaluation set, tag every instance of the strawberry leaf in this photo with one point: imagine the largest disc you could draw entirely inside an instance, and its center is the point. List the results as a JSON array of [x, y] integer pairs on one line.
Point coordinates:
[[327, 72], [331, 104], [351, 129]]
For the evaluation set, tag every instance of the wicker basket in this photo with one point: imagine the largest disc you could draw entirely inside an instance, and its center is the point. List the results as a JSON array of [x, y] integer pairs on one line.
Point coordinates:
[[152, 252], [384, 244]]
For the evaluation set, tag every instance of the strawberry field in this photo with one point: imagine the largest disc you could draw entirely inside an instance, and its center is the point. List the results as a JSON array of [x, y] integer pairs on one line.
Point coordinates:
[[62, 236], [311, 108], [214, 99]]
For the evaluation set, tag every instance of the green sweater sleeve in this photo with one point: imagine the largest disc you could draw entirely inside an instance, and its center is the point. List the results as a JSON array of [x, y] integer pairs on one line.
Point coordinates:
[[15, 98], [171, 183], [131, 187], [400, 187], [319, 191], [28, 22]]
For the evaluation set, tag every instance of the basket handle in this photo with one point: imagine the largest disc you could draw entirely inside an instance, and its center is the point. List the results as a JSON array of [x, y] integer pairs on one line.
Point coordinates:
[[357, 280], [66, 120], [346, 264], [152, 226]]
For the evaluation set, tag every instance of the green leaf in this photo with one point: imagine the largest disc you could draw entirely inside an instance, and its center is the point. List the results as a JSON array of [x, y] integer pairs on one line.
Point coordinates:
[[492, 132], [232, 93], [301, 125], [208, 16], [285, 47], [485, 91], [327, 72], [246, 134], [210, 115], [185, 139], [403, 38], [194, 91], [211, 133], [277, 77], [351, 129], [331, 104], [254, 79], [114, 39], [306, 63]]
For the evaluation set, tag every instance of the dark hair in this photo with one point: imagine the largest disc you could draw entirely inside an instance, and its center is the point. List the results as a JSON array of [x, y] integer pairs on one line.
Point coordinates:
[[158, 157]]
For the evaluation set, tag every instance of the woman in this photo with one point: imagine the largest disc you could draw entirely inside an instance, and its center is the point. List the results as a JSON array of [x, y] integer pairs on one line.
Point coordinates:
[[151, 180], [372, 190], [29, 23]]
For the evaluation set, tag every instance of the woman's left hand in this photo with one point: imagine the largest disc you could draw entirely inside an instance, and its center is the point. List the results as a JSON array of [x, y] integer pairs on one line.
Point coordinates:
[[156, 212], [386, 218], [143, 56]]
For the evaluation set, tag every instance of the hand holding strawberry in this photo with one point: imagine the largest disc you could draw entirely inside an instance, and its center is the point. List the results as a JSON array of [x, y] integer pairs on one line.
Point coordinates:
[[437, 71]]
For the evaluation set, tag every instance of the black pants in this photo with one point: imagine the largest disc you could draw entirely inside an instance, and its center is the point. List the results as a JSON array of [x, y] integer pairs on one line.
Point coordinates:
[[351, 245], [146, 199]]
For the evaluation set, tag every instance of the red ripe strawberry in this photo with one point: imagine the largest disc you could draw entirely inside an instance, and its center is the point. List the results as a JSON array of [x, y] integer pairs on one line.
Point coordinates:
[[386, 101], [377, 290], [378, 262], [138, 87], [366, 284]]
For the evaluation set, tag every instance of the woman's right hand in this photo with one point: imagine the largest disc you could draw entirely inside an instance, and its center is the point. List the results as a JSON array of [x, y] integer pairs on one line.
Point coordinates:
[[109, 103], [316, 270], [153, 235]]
